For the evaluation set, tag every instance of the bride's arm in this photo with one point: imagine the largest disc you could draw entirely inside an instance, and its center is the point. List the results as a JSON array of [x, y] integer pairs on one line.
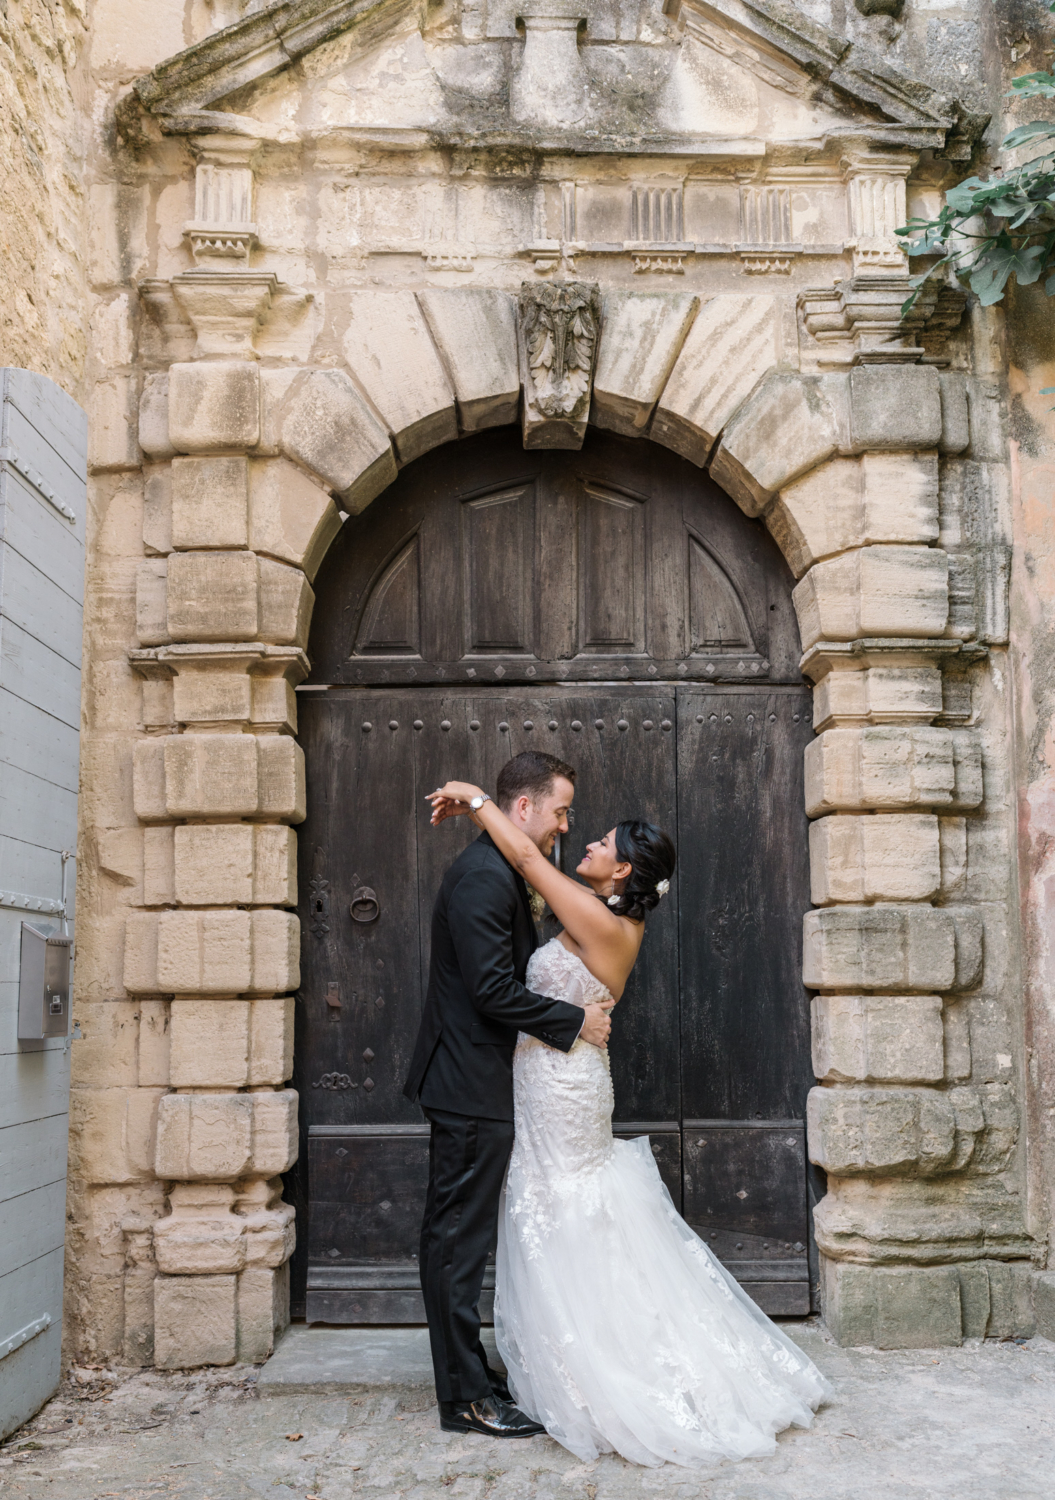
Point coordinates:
[[588, 921]]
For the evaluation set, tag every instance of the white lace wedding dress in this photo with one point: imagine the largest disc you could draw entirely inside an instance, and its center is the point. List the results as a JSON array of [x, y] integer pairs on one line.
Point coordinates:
[[618, 1327]]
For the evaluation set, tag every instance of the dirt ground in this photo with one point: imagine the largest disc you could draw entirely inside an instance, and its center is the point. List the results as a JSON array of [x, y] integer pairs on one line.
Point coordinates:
[[976, 1423]]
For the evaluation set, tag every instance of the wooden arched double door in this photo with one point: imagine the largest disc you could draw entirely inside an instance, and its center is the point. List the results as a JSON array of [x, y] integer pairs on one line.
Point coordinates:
[[613, 607]]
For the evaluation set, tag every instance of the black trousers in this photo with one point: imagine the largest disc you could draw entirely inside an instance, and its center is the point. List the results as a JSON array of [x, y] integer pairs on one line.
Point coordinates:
[[467, 1163]]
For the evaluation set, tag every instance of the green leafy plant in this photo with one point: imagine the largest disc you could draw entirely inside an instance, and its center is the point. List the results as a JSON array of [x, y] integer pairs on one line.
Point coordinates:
[[991, 230]]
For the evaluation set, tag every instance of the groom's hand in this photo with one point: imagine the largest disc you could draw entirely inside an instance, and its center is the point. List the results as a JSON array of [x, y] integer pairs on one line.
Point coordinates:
[[596, 1027]]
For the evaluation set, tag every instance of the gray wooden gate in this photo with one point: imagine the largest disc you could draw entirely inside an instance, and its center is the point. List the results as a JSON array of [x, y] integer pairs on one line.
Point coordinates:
[[43, 435]]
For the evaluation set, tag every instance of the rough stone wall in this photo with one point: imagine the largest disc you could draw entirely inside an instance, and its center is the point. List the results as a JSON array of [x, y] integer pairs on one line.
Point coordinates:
[[42, 223], [247, 386]]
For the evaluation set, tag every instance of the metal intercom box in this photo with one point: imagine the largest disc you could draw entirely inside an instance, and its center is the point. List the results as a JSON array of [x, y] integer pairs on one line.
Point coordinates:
[[43, 985]]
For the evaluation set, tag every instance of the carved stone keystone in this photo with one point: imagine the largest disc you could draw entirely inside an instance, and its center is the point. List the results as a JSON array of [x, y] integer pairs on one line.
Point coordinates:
[[558, 327]]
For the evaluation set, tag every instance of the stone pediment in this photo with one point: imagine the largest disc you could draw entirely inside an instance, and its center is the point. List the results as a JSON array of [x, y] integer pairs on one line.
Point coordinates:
[[719, 79]]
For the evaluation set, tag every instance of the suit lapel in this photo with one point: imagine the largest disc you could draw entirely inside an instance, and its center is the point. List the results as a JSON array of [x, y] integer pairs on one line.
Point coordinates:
[[521, 885]]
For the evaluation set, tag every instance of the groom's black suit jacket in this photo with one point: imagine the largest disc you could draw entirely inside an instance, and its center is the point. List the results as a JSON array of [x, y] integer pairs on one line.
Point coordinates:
[[482, 938]]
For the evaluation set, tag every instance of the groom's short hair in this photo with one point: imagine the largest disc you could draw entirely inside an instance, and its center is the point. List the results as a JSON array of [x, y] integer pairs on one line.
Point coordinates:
[[530, 774]]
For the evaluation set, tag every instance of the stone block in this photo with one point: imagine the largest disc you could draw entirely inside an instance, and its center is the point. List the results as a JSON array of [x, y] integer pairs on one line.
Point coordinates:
[[154, 417], [881, 1132], [270, 1224], [475, 332], [874, 857], [112, 1134], [286, 603], [327, 426], [275, 1139], [642, 334], [205, 1137], [157, 509], [158, 870], [894, 406], [213, 596], [730, 346], [952, 837], [852, 502], [1044, 1302], [955, 422], [874, 591], [219, 775], [152, 602], [878, 1038], [892, 947], [201, 1235], [210, 502], [210, 1049], [242, 863], [154, 1039], [263, 1311], [106, 1055], [212, 952], [902, 1307], [113, 425], [1011, 1309], [137, 1346], [886, 766], [214, 406], [877, 694], [789, 424], [290, 517], [194, 1321], [270, 1040], [390, 352]]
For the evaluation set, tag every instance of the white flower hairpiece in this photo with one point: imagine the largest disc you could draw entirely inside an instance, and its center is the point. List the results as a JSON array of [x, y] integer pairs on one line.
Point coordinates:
[[662, 887]]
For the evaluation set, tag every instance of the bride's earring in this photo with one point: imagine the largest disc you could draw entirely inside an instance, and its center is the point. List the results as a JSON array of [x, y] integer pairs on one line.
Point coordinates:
[[613, 899]]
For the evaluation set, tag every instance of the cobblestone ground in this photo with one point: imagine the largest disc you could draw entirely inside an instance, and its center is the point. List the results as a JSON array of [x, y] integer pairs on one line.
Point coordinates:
[[974, 1424]]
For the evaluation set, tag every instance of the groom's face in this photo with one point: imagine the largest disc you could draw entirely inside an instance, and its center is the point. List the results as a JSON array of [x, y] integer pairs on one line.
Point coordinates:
[[544, 819]]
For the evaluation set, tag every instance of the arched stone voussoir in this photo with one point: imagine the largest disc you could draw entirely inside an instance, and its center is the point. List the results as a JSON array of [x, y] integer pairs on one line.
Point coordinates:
[[788, 425], [390, 352], [475, 331], [324, 424]]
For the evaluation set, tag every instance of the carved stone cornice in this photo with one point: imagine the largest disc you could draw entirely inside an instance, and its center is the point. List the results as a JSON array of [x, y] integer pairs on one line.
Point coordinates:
[[558, 328], [860, 322]]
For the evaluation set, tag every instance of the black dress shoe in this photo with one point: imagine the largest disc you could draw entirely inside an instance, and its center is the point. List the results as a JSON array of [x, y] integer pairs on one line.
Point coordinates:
[[490, 1415]]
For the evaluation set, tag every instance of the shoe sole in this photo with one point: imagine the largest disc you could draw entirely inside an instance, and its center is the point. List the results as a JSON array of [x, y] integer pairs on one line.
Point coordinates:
[[482, 1432]]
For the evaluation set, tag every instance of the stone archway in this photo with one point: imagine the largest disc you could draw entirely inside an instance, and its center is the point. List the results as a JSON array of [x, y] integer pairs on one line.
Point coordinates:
[[844, 469]]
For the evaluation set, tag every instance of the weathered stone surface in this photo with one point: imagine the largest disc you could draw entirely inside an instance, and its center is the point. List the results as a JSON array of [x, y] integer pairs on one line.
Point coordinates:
[[214, 406], [1044, 1302], [275, 1143], [878, 1038], [390, 352], [201, 1235], [892, 947], [157, 509], [242, 863], [152, 602], [955, 423], [263, 1303], [154, 417], [112, 1134], [874, 591], [219, 775], [194, 1321], [270, 1040], [205, 1137], [730, 346], [113, 426], [887, 1132], [154, 1039], [874, 857], [212, 952], [641, 337], [904, 1307], [475, 333], [877, 694], [854, 502], [327, 426], [851, 769], [270, 1224], [286, 603], [894, 406], [289, 517], [106, 1057], [210, 502], [210, 1049], [213, 596], [789, 424]]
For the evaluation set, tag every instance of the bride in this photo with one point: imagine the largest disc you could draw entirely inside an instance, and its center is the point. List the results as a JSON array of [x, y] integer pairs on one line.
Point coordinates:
[[619, 1329]]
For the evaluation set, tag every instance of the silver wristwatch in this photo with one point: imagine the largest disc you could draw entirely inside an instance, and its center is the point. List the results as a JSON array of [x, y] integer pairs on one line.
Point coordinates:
[[478, 802]]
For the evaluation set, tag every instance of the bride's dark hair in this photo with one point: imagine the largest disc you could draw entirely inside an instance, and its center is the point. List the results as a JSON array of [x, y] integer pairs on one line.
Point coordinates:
[[652, 858]]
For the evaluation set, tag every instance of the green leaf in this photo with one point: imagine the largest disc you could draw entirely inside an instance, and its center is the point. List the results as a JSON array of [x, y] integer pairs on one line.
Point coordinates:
[[1035, 130], [992, 270]]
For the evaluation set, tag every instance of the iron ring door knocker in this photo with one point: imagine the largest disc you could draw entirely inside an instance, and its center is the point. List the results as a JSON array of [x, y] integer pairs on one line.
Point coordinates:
[[365, 906]]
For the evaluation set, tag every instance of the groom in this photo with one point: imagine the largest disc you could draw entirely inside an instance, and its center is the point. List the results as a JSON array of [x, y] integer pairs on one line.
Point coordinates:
[[462, 1075]]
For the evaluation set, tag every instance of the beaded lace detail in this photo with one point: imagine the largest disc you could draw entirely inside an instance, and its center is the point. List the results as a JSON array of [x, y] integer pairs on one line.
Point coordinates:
[[619, 1328]]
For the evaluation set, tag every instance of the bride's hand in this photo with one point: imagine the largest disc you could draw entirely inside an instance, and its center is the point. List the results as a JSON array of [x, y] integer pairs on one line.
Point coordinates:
[[452, 801]]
